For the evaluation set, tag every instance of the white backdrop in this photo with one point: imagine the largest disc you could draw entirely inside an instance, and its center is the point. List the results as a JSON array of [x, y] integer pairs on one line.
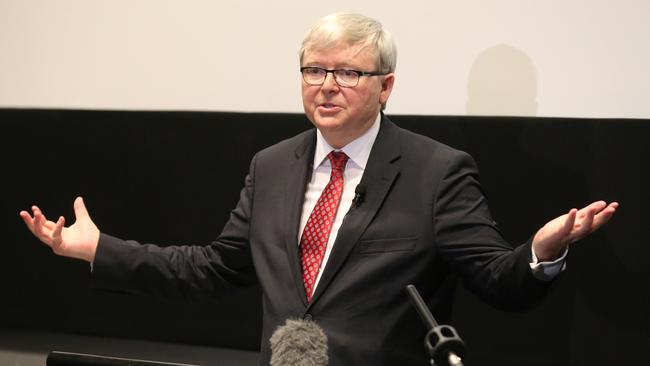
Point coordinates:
[[583, 58]]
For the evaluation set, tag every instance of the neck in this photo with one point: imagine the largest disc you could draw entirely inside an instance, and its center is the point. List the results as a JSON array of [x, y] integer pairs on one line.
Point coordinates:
[[338, 139]]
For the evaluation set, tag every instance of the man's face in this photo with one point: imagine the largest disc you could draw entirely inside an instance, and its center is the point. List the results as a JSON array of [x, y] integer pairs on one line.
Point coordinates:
[[343, 114]]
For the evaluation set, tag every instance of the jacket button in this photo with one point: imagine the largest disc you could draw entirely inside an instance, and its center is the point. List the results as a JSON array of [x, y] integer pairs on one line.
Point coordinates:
[[307, 317]]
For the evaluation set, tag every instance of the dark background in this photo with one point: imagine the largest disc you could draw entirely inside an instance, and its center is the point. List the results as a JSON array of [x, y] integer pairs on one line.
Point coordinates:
[[173, 177]]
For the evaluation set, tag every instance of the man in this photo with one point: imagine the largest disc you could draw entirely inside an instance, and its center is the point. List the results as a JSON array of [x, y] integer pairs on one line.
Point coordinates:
[[335, 237]]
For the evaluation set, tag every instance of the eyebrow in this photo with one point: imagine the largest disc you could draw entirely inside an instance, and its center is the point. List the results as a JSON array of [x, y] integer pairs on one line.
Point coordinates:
[[339, 67]]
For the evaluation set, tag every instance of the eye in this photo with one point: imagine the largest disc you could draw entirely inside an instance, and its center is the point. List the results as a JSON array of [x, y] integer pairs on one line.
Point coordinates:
[[313, 71], [347, 73]]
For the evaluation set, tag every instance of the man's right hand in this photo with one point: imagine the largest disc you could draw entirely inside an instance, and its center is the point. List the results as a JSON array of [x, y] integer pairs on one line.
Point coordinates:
[[79, 240]]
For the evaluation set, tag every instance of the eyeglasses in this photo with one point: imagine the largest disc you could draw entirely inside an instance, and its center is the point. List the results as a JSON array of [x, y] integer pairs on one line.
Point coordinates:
[[343, 77]]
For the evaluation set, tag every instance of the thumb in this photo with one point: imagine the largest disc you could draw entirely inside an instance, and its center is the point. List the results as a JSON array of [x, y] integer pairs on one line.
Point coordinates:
[[569, 221], [80, 211]]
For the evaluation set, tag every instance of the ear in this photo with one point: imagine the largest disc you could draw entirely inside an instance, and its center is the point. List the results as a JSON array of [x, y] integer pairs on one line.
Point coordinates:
[[386, 87]]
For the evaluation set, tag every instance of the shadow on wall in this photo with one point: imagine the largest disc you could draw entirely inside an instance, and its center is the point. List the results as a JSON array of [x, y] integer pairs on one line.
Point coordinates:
[[502, 82]]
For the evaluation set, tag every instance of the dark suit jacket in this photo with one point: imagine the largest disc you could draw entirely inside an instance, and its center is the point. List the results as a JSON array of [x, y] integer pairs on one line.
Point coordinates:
[[424, 217]]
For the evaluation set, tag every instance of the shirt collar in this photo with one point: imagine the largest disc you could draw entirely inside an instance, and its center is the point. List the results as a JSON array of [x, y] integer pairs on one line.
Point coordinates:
[[357, 151]]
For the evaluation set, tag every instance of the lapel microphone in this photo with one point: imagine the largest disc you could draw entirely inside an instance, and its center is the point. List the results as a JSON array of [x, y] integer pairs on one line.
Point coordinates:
[[359, 195]]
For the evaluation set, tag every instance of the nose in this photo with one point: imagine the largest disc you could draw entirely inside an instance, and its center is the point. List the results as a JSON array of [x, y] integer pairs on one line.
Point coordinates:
[[329, 84]]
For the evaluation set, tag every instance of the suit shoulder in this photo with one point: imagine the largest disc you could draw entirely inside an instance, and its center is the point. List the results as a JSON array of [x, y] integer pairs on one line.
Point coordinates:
[[288, 146], [419, 145]]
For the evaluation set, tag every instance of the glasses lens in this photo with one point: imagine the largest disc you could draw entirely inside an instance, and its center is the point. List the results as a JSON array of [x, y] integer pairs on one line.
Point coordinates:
[[313, 75], [347, 77]]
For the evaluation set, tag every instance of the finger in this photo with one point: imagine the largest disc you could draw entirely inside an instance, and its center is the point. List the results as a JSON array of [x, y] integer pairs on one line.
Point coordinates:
[[24, 214], [569, 221], [56, 233], [46, 223], [36, 209], [49, 225], [28, 220], [598, 209], [42, 227], [584, 225], [80, 211], [592, 207], [38, 224], [605, 215], [39, 214]]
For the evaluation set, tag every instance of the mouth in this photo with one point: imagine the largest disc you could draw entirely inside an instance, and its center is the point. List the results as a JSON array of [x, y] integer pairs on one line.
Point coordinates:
[[329, 107]]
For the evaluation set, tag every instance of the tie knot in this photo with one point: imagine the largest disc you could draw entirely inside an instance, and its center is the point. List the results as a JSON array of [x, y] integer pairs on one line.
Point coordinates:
[[338, 159]]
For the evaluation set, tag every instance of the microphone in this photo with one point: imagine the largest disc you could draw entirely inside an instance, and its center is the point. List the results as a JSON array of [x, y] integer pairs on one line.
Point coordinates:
[[359, 195], [442, 341], [299, 342]]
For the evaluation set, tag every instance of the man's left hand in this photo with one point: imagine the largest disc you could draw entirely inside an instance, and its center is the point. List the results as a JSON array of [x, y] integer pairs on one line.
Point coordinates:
[[551, 240]]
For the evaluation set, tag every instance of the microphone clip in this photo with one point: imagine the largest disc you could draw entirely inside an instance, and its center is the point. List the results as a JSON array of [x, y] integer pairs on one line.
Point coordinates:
[[359, 195]]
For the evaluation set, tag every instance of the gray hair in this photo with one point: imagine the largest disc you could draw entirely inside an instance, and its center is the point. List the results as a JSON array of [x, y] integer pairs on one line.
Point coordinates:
[[355, 30]]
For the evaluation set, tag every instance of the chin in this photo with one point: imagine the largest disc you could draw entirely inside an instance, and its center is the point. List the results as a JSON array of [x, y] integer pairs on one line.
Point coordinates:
[[327, 123]]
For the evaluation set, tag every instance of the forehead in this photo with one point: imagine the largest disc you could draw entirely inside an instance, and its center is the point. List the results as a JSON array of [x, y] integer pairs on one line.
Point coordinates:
[[340, 55]]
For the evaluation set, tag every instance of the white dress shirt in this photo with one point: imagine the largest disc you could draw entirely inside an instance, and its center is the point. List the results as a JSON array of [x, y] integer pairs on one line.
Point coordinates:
[[358, 152]]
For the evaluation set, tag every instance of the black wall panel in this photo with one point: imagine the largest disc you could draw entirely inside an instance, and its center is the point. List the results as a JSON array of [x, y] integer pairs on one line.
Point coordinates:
[[172, 178]]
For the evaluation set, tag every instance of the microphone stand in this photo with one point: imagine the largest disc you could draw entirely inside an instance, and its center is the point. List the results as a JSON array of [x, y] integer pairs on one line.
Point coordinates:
[[442, 341]]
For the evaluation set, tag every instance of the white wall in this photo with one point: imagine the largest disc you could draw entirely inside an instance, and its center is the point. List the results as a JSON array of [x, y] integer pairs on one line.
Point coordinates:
[[585, 58]]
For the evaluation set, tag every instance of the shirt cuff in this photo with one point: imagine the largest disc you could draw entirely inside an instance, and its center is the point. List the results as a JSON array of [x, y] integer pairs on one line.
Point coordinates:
[[547, 271]]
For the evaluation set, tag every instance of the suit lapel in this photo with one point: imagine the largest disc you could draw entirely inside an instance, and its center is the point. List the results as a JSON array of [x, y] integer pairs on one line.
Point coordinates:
[[381, 171], [299, 173]]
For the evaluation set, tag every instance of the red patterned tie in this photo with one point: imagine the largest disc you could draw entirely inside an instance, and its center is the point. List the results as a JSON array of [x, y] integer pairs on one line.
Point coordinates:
[[317, 230]]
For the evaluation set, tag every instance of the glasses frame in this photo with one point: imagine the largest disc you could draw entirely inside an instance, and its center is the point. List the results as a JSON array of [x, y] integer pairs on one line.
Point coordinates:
[[334, 71]]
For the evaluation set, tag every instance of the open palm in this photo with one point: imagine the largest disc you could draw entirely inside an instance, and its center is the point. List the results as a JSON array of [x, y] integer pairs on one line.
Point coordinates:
[[79, 240]]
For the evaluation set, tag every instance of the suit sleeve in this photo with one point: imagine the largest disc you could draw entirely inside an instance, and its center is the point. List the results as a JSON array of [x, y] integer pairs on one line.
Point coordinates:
[[187, 272], [471, 243]]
